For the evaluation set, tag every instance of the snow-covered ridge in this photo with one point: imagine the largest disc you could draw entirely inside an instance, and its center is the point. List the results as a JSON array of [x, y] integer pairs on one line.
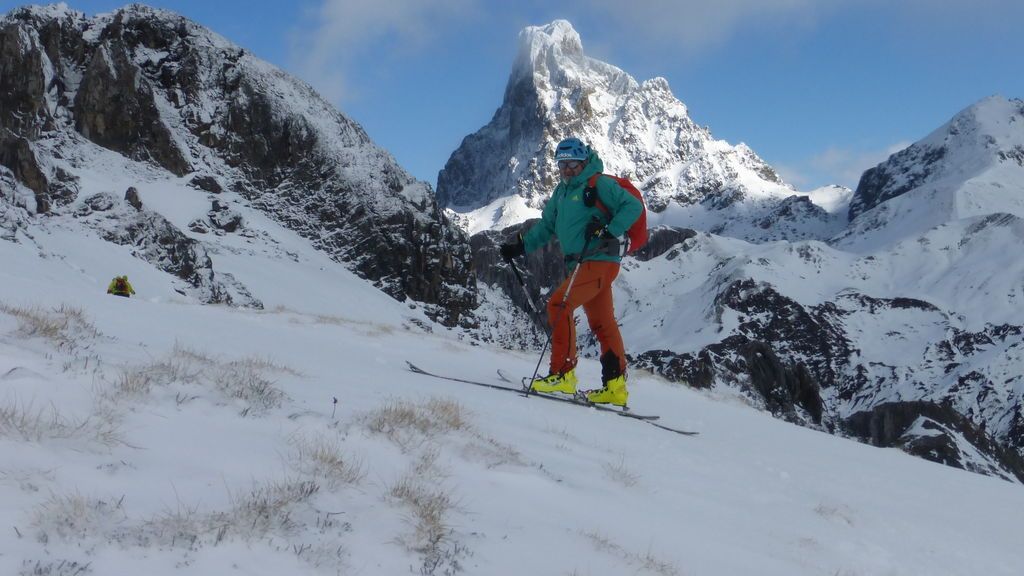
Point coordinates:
[[156, 87], [971, 166]]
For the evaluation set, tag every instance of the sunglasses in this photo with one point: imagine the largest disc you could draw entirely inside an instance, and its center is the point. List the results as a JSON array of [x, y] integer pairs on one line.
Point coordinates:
[[570, 164]]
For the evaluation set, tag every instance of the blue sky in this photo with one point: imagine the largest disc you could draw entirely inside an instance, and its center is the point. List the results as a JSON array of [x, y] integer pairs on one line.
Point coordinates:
[[820, 89]]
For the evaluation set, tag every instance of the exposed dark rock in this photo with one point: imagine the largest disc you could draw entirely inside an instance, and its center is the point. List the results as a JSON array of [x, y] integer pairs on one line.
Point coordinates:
[[901, 173], [809, 336], [52, 187], [661, 239], [132, 197], [782, 386], [14, 216], [141, 82], [17, 155], [101, 202], [223, 218], [697, 372], [115, 107], [887, 425], [207, 183], [22, 83], [541, 270]]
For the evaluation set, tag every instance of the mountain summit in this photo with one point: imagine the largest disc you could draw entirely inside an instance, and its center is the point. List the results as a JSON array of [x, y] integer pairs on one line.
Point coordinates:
[[971, 166], [502, 174]]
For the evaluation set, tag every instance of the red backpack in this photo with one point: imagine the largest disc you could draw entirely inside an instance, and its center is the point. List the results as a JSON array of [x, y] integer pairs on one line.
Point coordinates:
[[637, 234]]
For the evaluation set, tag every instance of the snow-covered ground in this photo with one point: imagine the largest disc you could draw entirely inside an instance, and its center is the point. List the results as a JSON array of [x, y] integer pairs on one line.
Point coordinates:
[[156, 436]]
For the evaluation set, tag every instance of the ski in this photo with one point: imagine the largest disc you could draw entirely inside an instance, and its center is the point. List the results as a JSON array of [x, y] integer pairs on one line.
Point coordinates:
[[650, 419]]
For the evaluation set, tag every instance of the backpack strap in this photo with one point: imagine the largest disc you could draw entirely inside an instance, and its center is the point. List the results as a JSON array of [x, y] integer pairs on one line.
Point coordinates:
[[592, 198], [590, 195]]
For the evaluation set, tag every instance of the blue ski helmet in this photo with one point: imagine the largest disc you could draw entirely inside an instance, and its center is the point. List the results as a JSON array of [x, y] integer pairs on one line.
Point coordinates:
[[571, 149]]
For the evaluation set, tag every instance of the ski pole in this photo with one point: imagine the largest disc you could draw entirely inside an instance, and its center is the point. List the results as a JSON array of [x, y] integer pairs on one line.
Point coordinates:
[[522, 284], [565, 298]]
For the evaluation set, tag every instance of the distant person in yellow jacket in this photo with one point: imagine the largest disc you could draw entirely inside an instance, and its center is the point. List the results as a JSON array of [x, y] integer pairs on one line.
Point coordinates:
[[120, 286]]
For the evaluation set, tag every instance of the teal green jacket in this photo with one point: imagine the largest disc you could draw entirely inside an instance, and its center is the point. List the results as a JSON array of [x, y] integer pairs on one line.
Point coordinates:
[[566, 217]]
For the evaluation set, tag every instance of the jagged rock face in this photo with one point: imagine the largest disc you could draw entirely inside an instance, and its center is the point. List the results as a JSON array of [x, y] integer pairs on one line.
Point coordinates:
[[156, 87], [153, 239], [13, 214], [938, 433], [22, 83], [116, 107], [661, 239], [802, 364], [51, 185], [900, 174], [541, 271], [641, 132]]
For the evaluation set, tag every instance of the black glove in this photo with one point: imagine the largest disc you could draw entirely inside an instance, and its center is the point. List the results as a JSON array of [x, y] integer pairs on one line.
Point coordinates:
[[597, 229], [513, 249]]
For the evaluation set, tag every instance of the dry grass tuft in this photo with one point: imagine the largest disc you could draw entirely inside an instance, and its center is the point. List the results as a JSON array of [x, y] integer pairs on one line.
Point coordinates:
[[620, 473], [74, 516], [409, 424], [245, 379], [422, 491], [55, 568], [27, 423], [321, 457], [66, 327], [268, 508], [646, 562]]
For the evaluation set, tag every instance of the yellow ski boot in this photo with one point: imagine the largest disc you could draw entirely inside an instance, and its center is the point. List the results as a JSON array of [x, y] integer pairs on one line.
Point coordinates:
[[614, 392], [564, 383]]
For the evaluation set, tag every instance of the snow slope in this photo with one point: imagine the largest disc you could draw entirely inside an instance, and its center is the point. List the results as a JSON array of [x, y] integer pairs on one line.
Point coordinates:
[[174, 438]]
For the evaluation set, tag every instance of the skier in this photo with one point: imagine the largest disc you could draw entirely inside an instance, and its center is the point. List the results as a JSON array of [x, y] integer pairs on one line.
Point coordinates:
[[572, 215], [120, 286]]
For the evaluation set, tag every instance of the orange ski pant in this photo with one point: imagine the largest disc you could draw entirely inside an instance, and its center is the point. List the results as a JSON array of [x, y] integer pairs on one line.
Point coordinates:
[[592, 289]]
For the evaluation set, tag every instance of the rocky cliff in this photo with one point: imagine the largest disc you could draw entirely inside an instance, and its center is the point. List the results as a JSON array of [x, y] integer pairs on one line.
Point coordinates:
[[161, 90]]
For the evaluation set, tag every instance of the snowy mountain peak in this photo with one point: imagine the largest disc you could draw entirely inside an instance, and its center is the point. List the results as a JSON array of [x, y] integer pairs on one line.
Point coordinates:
[[973, 165], [552, 55], [641, 131], [536, 43], [45, 12], [989, 122]]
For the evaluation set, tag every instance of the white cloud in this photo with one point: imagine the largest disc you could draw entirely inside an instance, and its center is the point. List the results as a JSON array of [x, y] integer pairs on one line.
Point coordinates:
[[688, 26], [338, 34], [844, 165], [696, 24], [835, 165]]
